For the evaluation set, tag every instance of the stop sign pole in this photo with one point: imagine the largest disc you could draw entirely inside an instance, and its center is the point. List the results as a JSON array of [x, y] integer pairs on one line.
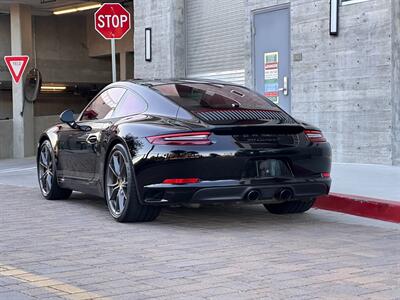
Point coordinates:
[[112, 21], [113, 63]]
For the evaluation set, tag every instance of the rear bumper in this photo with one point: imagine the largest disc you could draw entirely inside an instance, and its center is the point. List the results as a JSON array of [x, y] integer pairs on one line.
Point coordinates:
[[272, 190], [221, 168]]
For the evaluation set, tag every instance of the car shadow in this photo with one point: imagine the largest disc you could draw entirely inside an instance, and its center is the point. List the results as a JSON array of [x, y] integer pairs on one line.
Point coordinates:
[[90, 200], [238, 215], [209, 216]]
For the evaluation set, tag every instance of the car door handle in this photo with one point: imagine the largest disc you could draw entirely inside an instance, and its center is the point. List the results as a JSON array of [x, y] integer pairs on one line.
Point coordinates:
[[91, 139]]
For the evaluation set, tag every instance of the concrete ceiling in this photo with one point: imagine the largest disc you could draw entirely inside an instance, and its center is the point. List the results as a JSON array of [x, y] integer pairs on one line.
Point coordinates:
[[46, 7]]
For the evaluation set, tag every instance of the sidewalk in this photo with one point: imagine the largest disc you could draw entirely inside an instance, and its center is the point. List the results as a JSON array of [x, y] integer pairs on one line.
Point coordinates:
[[371, 191], [373, 181]]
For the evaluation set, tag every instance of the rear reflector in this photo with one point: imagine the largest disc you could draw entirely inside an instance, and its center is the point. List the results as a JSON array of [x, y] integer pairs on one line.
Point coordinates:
[[315, 136], [181, 180], [184, 138], [326, 174]]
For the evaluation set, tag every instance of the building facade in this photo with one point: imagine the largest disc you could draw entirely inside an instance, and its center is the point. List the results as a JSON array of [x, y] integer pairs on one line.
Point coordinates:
[[347, 84]]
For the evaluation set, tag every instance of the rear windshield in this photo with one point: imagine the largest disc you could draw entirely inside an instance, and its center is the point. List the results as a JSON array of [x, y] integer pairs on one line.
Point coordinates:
[[198, 97]]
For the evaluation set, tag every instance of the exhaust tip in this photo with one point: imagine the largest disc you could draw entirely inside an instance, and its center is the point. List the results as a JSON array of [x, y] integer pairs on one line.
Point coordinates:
[[253, 195], [285, 194]]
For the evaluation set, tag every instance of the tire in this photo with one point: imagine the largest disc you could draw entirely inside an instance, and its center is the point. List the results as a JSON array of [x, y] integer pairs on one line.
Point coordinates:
[[290, 207], [47, 174], [120, 189]]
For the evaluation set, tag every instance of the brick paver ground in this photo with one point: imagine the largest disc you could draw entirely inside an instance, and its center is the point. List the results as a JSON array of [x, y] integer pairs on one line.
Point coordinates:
[[73, 249]]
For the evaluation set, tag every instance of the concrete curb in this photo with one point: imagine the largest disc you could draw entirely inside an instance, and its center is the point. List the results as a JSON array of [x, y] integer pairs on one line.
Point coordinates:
[[384, 210]]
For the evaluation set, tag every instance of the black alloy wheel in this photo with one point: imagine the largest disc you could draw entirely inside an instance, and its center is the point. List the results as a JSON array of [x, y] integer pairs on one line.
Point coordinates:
[[47, 177], [120, 190]]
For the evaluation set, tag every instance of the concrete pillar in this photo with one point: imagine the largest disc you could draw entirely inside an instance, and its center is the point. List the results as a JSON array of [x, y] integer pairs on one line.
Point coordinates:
[[125, 65], [129, 65], [122, 66], [21, 44], [395, 82]]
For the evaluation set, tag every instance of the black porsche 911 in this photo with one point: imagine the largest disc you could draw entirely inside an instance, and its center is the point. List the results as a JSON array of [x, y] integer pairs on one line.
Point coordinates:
[[146, 144]]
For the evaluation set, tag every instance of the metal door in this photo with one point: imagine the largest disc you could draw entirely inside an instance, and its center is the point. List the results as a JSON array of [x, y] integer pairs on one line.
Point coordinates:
[[271, 55]]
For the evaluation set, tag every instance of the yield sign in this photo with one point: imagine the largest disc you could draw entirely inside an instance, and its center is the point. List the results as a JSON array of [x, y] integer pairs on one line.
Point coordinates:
[[16, 65]]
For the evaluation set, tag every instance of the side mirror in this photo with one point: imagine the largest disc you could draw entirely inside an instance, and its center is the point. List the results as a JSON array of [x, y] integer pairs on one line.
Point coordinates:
[[67, 117]]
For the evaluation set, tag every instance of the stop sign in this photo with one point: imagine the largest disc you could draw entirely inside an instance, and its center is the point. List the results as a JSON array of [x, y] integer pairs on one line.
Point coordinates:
[[112, 21]]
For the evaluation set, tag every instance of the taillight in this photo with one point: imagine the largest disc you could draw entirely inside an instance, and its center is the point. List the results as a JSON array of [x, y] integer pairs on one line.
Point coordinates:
[[184, 138], [325, 175], [315, 136], [181, 180]]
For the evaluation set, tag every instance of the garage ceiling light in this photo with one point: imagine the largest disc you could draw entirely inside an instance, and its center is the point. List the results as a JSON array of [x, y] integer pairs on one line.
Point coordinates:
[[68, 10], [53, 88]]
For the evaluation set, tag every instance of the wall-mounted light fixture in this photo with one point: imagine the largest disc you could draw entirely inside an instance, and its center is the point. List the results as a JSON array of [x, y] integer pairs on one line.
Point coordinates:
[[334, 18], [147, 44]]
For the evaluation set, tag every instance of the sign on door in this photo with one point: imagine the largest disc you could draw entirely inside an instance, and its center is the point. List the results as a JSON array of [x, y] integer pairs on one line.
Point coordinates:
[[271, 76]]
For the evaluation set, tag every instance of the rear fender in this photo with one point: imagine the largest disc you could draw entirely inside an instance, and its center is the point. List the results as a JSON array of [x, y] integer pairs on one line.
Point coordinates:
[[136, 150]]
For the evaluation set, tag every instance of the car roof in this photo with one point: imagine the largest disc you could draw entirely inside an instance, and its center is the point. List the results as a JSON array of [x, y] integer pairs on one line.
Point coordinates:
[[155, 82]]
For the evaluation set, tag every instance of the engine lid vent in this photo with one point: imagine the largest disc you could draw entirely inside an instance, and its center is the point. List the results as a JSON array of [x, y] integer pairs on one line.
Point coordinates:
[[244, 114]]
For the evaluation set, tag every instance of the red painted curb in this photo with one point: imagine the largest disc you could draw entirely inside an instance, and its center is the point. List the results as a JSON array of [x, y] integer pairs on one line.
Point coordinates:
[[379, 209]]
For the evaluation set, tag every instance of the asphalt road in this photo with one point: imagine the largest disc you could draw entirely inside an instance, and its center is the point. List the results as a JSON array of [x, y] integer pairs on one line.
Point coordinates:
[[72, 249]]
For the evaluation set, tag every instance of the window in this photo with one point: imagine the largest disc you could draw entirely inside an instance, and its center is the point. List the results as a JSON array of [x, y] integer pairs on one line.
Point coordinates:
[[198, 96], [132, 104], [103, 106]]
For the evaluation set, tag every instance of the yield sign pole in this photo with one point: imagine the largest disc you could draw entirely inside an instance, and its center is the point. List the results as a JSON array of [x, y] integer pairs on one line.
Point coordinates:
[[23, 139]]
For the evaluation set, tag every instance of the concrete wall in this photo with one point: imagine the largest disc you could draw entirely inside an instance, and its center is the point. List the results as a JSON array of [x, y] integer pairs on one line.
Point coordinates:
[[6, 138], [62, 51], [5, 46], [47, 104], [396, 81], [42, 123], [166, 18], [5, 105], [342, 84]]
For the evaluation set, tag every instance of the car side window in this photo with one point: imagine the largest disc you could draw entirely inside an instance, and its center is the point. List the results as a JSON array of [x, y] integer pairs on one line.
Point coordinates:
[[103, 106], [131, 104]]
